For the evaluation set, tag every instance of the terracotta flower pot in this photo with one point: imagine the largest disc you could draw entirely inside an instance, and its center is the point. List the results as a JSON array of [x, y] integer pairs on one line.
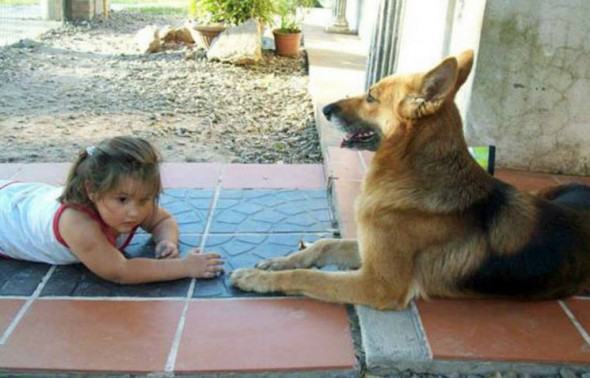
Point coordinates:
[[287, 44], [207, 33]]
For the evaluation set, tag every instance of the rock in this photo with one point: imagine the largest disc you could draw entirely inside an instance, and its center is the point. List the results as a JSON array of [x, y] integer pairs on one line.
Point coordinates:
[[183, 35], [239, 45], [26, 43], [168, 34], [148, 39], [567, 373]]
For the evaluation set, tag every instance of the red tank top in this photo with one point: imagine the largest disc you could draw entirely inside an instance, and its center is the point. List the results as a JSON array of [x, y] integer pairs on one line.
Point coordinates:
[[92, 214]]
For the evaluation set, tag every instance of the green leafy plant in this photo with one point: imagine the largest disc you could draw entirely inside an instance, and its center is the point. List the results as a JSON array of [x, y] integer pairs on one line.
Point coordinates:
[[289, 19], [232, 12]]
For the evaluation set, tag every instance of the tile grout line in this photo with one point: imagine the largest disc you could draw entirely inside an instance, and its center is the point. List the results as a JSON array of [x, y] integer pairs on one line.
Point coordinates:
[[421, 329], [171, 361], [575, 321], [156, 299], [363, 162], [25, 308], [19, 170]]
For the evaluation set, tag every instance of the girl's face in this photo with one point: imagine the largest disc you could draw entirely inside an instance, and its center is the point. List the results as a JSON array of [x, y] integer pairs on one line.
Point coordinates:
[[126, 206]]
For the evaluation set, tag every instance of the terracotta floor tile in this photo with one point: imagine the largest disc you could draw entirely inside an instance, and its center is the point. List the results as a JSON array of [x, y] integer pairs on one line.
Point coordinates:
[[8, 309], [50, 173], [348, 230], [581, 310], [368, 157], [190, 175], [8, 170], [344, 164], [265, 335], [523, 180], [346, 192], [93, 336], [497, 330], [273, 176]]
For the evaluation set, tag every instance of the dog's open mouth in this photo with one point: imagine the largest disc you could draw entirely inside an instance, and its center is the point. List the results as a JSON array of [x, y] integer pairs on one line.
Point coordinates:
[[359, 139]]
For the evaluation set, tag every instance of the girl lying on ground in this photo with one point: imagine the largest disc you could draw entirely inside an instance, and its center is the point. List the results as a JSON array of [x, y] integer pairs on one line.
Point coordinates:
[[112, 189]]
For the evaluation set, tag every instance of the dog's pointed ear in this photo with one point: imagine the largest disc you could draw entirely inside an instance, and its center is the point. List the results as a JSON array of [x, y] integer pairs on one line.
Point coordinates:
[[465, 62], [434, 88], [303, 244]]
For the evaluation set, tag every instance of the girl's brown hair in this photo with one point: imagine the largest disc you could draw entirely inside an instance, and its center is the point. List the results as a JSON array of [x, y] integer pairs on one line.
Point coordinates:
[[103, 167]]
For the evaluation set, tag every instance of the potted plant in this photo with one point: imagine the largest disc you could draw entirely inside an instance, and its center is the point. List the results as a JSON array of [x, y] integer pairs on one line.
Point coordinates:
[[213, 16], [207, 20], [288, 34]]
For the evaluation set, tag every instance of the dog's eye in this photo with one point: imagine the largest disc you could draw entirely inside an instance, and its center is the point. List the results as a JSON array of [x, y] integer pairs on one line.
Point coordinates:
[[371, 99]]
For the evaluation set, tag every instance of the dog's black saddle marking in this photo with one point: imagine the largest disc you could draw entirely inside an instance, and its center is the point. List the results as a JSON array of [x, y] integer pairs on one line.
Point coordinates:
[[541, 268]]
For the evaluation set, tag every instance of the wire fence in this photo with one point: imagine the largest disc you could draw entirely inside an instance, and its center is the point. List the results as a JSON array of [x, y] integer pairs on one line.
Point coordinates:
[[22, 19], [25, 19]]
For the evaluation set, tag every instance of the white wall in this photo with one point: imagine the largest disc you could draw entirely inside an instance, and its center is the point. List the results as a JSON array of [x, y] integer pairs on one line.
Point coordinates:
[[422, 34], [531, 85], [367, 15], [465, 34]]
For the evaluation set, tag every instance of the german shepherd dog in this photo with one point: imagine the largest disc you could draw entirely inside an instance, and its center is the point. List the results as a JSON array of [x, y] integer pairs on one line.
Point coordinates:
[[431, 222]]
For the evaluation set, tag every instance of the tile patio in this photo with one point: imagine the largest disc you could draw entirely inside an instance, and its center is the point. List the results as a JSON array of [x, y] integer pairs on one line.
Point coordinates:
[[65, 319]]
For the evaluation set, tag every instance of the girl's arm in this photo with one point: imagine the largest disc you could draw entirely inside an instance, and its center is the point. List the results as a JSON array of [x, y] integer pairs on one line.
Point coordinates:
[[89, 244], [164, 230]]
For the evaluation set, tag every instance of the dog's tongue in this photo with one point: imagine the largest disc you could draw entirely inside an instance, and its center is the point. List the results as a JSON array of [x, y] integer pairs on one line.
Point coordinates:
[[346, 138]]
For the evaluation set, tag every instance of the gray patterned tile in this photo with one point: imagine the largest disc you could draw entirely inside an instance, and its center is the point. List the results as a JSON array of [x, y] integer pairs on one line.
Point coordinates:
[[77, 280], [269, 211], [190, 208], [242, 251], [20, 277]]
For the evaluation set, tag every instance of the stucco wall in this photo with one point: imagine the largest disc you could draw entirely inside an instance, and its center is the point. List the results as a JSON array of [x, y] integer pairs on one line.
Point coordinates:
[[422, 34], [531, 85], [367, 14]]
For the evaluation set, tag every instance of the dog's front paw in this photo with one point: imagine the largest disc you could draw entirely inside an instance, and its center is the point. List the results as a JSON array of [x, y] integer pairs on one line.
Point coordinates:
[[251, 280], [278, 263]]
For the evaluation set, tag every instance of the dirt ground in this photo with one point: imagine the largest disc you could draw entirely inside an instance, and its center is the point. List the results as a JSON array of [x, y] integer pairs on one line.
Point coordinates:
[[87, 81]]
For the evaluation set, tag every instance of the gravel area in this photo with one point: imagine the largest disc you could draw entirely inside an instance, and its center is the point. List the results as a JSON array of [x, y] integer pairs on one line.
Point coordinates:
[[82, 82]]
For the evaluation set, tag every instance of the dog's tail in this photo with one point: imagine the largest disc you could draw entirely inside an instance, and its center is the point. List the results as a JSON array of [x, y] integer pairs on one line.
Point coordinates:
[[573, 196]]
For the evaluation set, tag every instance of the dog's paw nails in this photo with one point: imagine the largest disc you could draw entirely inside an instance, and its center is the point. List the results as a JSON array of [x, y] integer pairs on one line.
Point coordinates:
[[265, 265], [251, 280], [275, 264]]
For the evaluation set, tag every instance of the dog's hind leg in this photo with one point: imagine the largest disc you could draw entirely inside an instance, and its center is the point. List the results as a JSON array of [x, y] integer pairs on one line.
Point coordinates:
[[343, 253]]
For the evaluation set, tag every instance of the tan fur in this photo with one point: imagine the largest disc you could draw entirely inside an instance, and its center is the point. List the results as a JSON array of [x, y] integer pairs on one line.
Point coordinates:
[[414, 236]]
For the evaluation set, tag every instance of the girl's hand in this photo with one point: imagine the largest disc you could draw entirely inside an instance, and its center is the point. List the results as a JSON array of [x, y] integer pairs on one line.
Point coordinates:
[[203, 265], [166, 250]]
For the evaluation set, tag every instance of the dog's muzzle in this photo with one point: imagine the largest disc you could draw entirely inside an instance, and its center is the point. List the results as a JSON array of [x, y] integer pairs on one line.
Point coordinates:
[[329, 110]]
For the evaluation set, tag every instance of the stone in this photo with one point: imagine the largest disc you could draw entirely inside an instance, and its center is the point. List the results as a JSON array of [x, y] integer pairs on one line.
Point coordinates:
[[148, 39], [238, 45], [183, 35], [168, 34], [567, 373]]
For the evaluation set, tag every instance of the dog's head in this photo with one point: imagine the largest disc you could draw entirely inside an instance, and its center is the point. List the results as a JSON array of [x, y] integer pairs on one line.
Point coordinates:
[[395, 100]]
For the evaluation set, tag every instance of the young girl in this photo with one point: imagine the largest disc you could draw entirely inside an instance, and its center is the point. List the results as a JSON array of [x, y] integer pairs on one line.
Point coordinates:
[[112, 189]]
